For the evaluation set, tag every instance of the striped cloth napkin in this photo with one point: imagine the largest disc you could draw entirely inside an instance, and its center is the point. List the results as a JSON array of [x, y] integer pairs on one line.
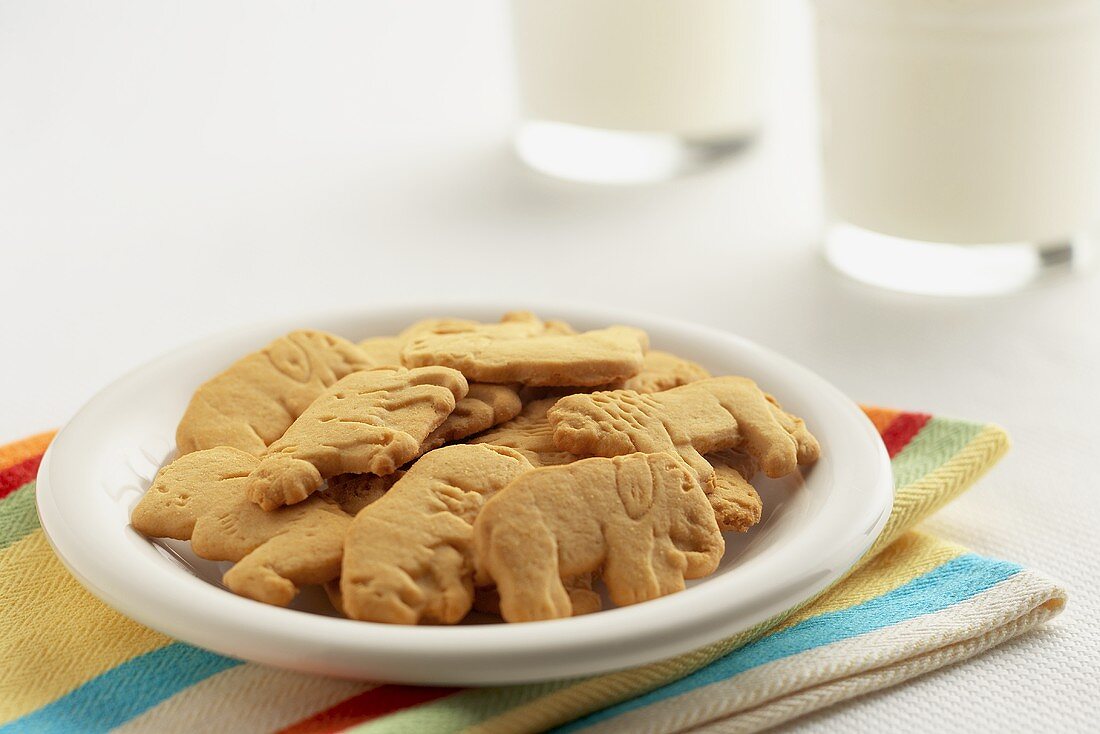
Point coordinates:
[[915, 603]]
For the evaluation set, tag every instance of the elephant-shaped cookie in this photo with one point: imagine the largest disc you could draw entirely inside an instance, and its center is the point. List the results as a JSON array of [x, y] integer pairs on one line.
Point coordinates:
[[641, 521], [201, 497]]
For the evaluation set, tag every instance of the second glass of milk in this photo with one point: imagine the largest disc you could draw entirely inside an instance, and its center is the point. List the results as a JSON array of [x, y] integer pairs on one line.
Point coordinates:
[[622, 91], [961, 139]]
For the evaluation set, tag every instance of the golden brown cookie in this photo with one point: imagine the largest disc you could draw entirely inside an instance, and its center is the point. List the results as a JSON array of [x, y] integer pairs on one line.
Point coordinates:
[[581, 596], [530, 434], [641, 521], [483, 407], [664, 371], [708, 415], [444, 325], [736, 504], [408, 556], [370, 422], [332, 590], [353, 492], [523, 349], [201, 497], [660, 371], [383, 351], [252, 403], [529, 394]]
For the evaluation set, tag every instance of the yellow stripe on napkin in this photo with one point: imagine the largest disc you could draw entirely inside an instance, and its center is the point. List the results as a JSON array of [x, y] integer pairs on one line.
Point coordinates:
[[57, 636]]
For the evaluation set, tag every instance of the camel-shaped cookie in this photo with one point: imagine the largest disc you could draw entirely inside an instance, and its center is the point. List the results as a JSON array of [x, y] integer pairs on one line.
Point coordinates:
[[370, 422], [641, 520], [201, 497], [698, 418], [254, 401], [523, 349], [409, 555]]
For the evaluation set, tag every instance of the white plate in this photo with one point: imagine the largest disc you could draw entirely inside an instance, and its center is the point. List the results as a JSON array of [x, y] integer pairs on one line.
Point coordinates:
[[103, 460]]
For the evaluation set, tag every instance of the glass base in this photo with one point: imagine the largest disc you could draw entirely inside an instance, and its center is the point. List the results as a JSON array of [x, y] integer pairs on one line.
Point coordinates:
[[614, 156], [934, 268]]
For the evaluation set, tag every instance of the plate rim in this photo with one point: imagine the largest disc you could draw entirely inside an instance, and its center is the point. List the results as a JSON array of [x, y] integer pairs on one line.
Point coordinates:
[[552, 649]]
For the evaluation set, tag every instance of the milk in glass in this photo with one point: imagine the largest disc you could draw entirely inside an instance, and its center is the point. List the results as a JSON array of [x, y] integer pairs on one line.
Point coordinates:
[[622, 90], [958, 122]]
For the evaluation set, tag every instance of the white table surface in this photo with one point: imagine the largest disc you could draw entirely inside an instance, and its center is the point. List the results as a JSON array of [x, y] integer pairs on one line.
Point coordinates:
[[169, 170]]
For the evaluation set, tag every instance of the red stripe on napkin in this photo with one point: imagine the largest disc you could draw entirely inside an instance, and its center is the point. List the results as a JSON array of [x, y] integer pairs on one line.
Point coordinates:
[[366, 706], [16, 476], [902, 430]]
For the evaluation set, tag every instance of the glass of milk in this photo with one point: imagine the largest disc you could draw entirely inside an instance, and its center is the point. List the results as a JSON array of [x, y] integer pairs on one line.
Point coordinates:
[[624, 91], [961, 139]]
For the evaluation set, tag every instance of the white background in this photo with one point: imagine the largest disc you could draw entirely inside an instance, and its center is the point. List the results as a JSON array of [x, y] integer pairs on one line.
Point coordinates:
[[169, 170]]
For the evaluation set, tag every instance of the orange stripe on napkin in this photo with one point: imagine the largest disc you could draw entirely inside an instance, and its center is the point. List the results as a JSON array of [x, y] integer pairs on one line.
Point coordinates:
[[18, 452], [881, 417]]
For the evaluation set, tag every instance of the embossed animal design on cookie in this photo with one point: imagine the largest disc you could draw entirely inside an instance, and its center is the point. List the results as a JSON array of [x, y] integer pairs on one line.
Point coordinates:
[[254, 401], [701, 417], [641, 521], [409, 555], [201, 497], [530, 434], [370, 422]]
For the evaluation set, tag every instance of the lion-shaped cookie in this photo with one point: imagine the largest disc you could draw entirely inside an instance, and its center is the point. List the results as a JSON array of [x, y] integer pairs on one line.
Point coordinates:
[[701, 417], [642, 521], [201, 497], [254, 401]]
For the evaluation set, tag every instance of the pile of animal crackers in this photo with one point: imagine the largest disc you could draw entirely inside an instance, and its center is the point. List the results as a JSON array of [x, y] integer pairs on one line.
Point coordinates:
[[504, 467]]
